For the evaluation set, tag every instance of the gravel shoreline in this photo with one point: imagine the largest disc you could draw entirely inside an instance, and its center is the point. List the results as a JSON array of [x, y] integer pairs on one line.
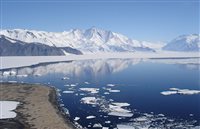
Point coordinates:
[[38, 109]]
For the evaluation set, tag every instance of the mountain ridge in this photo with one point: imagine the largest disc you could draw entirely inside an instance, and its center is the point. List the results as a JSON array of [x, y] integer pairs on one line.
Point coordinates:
[[89, 40], [92, 40]]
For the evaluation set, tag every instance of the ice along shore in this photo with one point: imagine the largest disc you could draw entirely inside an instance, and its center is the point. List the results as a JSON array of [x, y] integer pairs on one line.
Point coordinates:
[[38, 107]]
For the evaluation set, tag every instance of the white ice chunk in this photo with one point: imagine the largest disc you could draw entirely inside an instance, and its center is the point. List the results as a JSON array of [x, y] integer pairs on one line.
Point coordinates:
[[86, 82], [22, 75], [89, 100], [106, 93], [73, 85], [77, 118], [188, 92], [105, 127], [68, 91], [7, 108], [122, 114], [90, 117], [168, 92], [141, 119], [97, 125], [174, 89], [117, 110], [111, 85], [121, 104], [6, 73], [120, 126], [114, 91], [65, 78], [91, 90], [180, 91]]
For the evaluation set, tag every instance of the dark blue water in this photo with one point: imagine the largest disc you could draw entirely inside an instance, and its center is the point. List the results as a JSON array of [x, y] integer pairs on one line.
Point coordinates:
[[139, 81]]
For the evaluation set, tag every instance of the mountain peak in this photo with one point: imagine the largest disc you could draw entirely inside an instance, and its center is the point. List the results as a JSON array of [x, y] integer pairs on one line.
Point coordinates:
[[189, 42]]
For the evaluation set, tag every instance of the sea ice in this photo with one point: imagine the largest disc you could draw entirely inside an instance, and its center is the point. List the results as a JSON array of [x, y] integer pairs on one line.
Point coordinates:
[[121, 104], [77, 118], [22, 75], [86, 82], [168, 92], [107, 122], [73, 85], [106, 93], [6, 73], [68, 91], [91, 90], [7, 108], [89, 100], [65, 78], [114, 91], [111, 85], [180, 91], [117, 110], [90, 117], [122, 114], [120, 126], [98, 125], [141, 119]]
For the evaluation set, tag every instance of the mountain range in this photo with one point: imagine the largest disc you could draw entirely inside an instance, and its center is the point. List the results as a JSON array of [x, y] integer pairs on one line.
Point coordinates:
[[22, 42]]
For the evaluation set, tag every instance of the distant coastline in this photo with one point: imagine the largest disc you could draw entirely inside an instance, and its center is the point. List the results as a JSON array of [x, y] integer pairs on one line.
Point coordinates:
[[38, 107]]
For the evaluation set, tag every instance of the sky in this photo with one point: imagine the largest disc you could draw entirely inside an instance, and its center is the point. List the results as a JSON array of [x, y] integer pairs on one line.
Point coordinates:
[[149, 20]]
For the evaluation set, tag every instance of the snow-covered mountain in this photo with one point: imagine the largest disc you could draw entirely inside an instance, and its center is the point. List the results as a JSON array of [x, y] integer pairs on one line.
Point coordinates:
[[184, 43], [90, 40], [12, 47]]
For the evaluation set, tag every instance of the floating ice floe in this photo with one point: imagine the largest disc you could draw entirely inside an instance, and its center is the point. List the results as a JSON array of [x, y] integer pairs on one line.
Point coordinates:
[[146, 121], [180, 91], [107, 122], [90, 117], [111, 85], [68, 91], [141, 119], [38, 75], [7, 108], [121, 104], [22, 75], [91, 90], [118, 110], [168, 92], [77, 118], [6, 73], [89, 100], [114, 91], [12, 81], [106, 93], [111, 90], [65, 78], [9, 73], [120, 126], [120, 114], [98, 125], [86, 82]]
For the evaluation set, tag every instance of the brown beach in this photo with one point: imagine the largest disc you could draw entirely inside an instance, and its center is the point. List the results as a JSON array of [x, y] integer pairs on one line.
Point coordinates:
[[38, 107]]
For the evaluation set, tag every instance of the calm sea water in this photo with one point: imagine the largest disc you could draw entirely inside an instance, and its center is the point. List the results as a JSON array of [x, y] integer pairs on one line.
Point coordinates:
[[139, 83]]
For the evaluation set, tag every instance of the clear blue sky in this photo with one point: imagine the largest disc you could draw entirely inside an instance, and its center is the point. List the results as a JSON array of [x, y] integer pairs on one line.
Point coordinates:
[[157, 20]]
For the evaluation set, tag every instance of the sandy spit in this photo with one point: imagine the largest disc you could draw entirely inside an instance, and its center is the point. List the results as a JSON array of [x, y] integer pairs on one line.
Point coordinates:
[[38, 107]]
